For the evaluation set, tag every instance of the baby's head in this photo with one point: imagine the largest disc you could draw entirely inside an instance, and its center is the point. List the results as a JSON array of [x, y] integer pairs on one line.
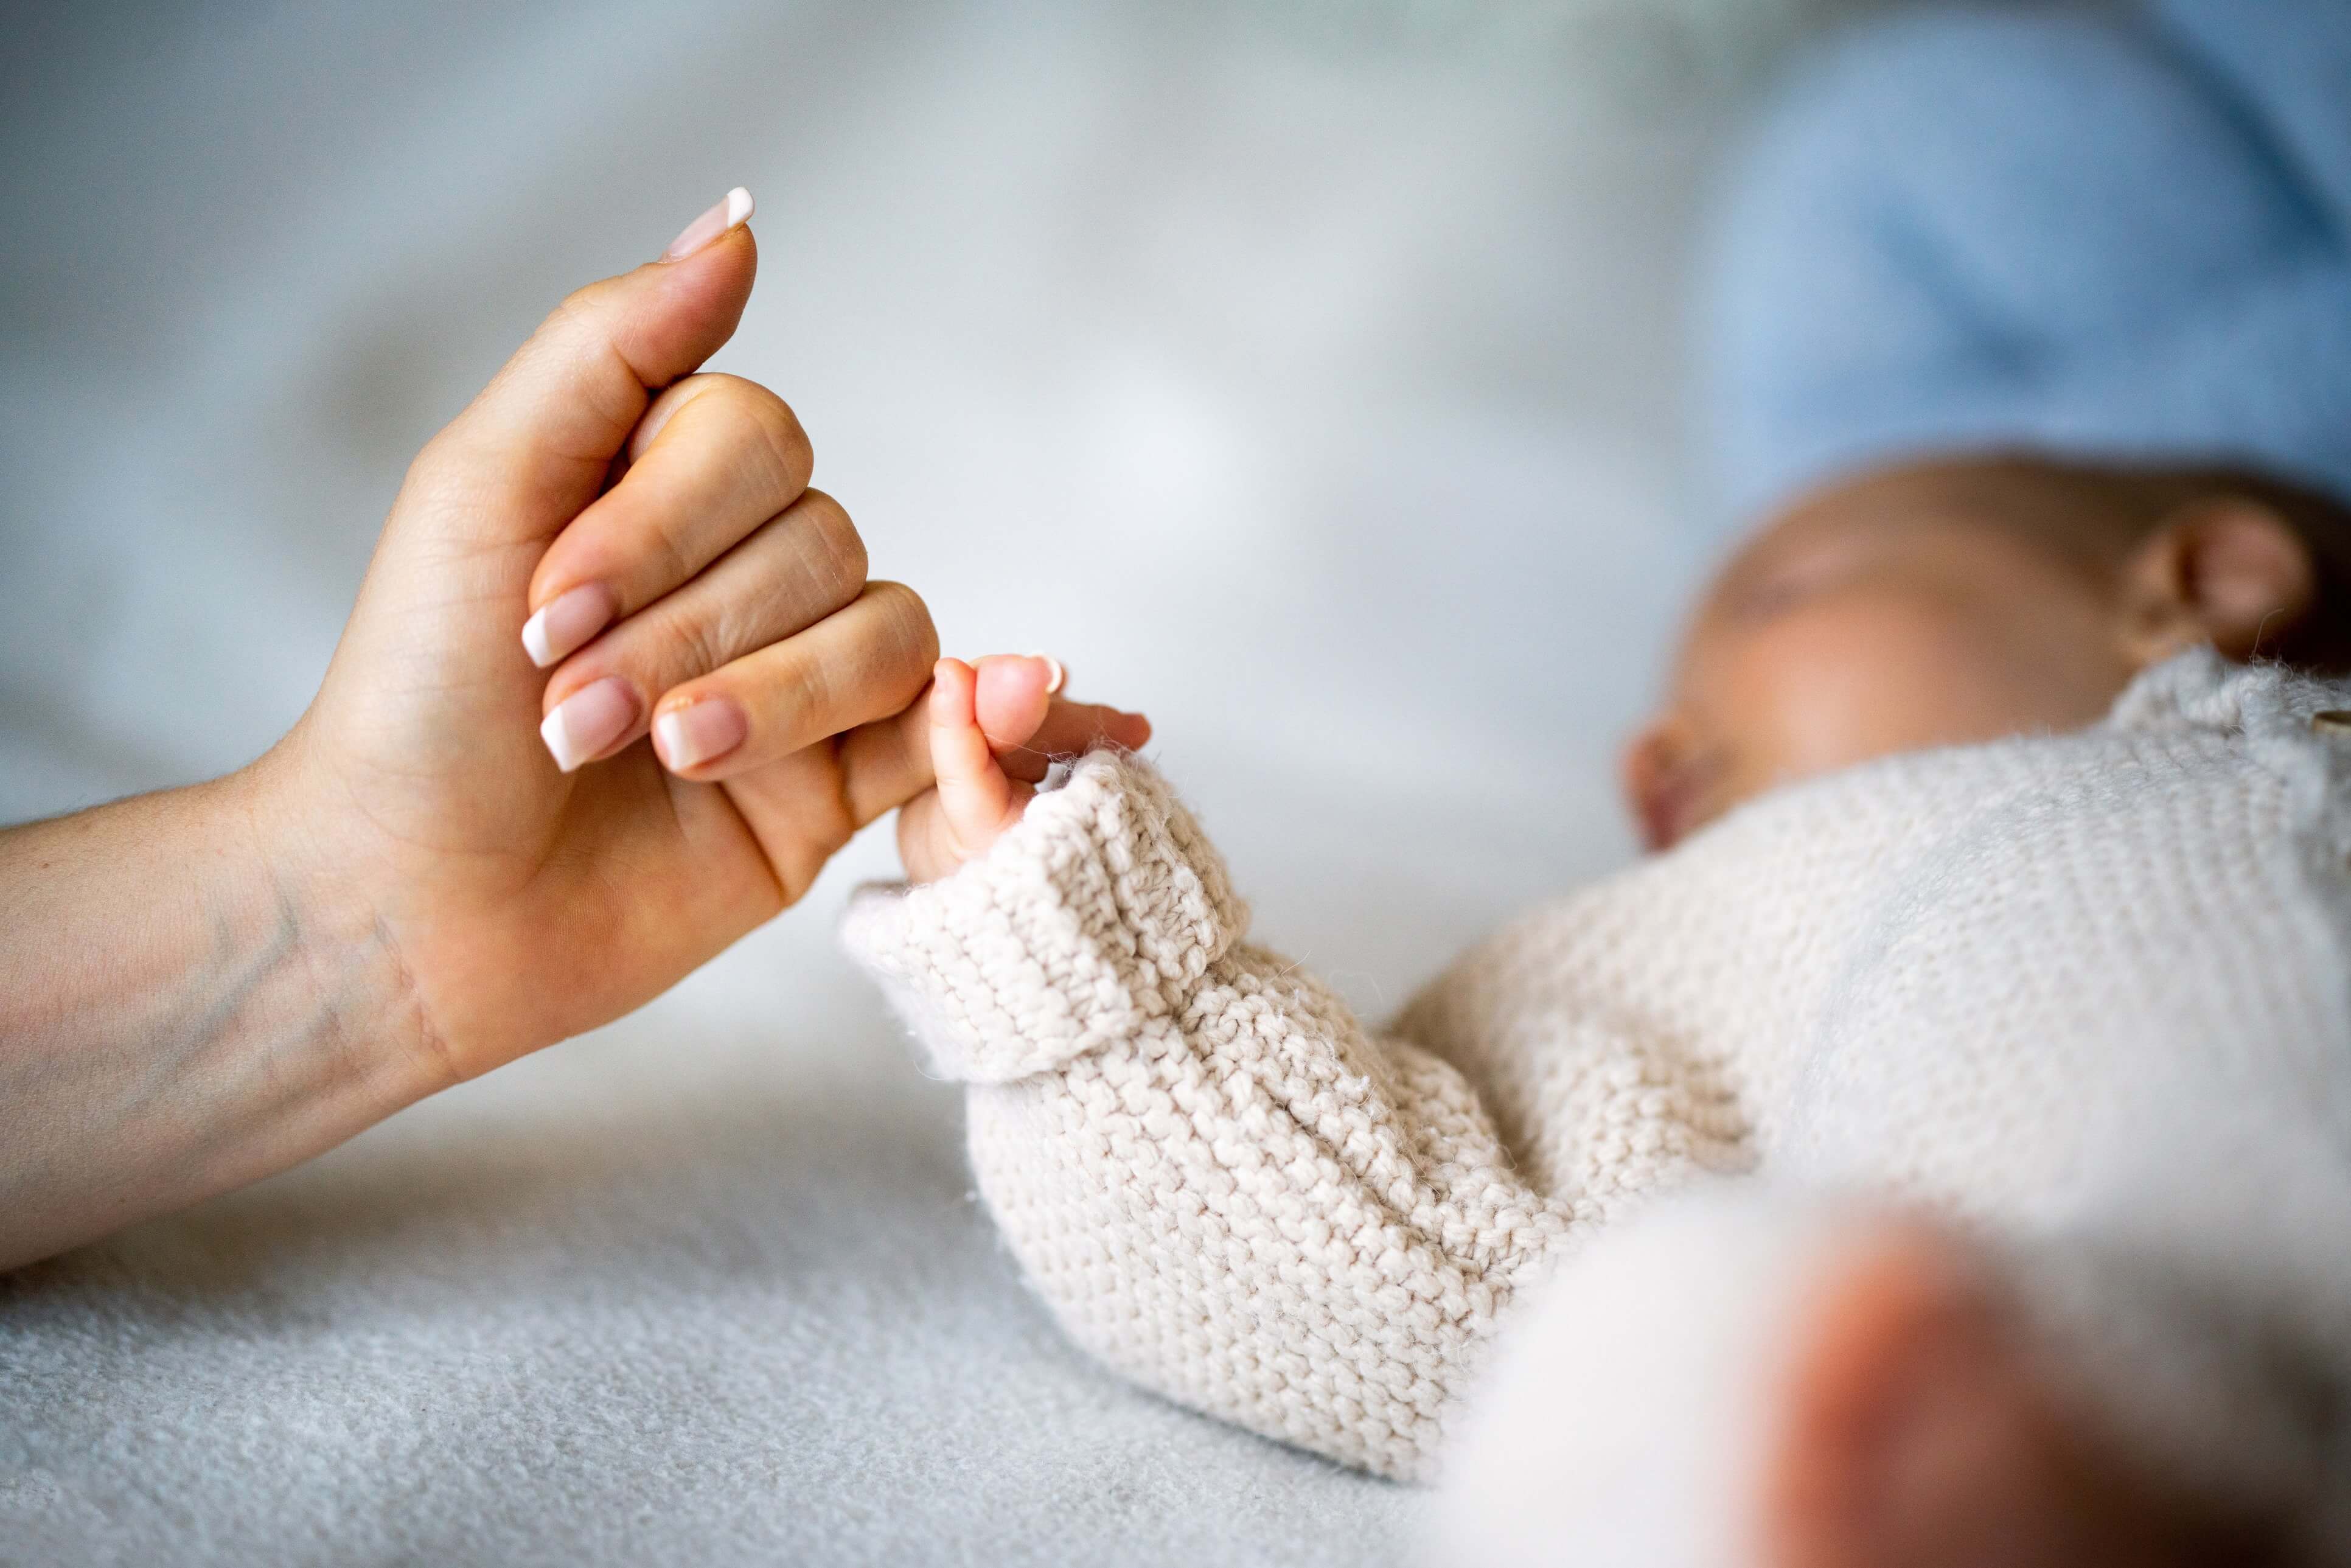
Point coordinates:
[[1941, 602]]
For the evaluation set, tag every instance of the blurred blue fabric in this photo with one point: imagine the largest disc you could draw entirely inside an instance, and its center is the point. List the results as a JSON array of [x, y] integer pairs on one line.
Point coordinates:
[[2119, 234]]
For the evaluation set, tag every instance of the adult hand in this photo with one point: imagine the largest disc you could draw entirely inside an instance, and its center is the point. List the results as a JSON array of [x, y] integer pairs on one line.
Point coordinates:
[[648, 534], [463, 851]]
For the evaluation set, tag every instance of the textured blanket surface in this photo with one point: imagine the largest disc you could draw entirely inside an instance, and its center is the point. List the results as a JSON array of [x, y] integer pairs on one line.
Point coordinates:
[[1083, 305], [753, 1320]]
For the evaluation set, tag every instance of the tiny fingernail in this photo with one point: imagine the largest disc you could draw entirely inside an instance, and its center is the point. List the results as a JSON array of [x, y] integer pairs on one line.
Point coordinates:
[[1061, 676], [700, 732], [565, 621], [589, 720], [730, 212]]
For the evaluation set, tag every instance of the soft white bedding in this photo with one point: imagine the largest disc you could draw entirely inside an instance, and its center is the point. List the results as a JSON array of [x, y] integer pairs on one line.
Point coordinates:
[[1083, 305]]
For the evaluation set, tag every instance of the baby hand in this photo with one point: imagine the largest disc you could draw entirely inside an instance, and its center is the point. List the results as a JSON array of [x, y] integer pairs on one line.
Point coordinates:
[[983, 720]]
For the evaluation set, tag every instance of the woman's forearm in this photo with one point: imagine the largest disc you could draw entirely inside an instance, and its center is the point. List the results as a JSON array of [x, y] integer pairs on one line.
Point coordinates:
[[185, 1006]]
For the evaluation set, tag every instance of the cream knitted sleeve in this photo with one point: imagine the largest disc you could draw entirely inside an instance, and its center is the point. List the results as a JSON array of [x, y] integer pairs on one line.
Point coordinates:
[[1221, 1185]]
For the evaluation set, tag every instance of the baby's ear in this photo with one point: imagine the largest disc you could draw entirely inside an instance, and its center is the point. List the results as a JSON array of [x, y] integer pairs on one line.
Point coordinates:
[[2224, 570]]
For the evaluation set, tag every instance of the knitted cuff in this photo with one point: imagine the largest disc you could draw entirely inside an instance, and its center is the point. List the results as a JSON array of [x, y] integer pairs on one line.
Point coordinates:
[[1100, 908]]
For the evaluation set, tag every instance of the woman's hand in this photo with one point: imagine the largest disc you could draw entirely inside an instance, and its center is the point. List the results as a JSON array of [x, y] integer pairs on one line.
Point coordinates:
[[463, 852], [650, 534], [606, 546]]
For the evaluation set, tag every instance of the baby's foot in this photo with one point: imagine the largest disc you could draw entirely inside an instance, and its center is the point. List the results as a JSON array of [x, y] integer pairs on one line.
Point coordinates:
[[1919, 1430]]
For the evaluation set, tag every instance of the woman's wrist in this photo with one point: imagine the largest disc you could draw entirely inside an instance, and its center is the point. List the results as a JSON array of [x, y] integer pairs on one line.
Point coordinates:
[[349, 978], [187, 1003]]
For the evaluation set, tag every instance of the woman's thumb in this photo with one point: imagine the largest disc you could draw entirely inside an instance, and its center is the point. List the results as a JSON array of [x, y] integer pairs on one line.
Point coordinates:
[[537, 444]]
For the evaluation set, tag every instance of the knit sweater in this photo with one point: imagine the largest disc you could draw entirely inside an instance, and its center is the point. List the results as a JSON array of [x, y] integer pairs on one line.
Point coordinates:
[[1965, 977]]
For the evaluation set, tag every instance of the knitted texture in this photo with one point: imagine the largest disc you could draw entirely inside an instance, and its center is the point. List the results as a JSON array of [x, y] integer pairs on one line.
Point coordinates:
[[1965, 977], [1223, 1186]]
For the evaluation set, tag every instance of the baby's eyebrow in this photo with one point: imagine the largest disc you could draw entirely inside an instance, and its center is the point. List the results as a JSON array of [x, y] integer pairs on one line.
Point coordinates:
[[1782, 571], [1780, 559]]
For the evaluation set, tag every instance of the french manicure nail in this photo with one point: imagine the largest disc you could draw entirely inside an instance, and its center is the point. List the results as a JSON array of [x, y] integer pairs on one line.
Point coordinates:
[[730, 212], [700, 732], [565, 621], [587, 721], [1061, 676]]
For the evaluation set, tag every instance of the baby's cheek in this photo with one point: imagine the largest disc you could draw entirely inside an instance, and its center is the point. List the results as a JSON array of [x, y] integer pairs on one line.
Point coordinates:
[[1847, 680]]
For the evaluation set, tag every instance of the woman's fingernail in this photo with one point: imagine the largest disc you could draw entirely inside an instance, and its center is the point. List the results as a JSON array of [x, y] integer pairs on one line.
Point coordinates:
[[700, 732], [731, 211], [589, 720], [1061, 676], [565, 621]]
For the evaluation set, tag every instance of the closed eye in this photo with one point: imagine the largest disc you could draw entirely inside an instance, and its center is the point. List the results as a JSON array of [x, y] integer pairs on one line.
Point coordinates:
[[1774, 593], [1777, 587]]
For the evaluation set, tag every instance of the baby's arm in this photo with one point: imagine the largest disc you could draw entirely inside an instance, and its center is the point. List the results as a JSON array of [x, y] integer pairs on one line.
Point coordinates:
[[1223, 1186]]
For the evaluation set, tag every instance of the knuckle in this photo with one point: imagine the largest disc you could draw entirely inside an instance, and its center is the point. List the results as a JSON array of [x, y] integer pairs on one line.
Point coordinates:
[[578, 327], [570, 312], [908, 619], [832, 546], [449, 477], [767, 424], [431, 460], [804, 693], [670, 540], [690, 645], [667, 404]]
